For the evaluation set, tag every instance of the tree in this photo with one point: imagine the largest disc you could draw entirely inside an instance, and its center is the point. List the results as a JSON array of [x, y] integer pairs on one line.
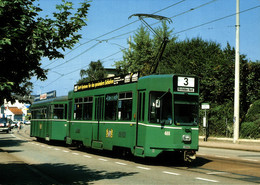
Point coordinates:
[[96, 71], [140, 55], [26, 38], [213, 65], [143, 51]]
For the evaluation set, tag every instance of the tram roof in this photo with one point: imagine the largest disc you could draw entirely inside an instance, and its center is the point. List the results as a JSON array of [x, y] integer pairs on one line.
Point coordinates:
[[57, 99]]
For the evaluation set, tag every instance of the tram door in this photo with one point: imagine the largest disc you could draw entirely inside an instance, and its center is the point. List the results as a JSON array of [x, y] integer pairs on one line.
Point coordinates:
[[99, 116], [140, 118], [70, 112], [48, 126]]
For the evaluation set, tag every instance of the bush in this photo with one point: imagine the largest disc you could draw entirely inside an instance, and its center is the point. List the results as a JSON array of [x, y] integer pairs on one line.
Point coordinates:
[[220, 119], [253, 112], [250, 129]]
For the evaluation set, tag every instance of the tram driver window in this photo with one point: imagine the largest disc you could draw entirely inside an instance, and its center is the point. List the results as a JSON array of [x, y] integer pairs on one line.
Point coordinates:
[[160, 107], [186, 110]]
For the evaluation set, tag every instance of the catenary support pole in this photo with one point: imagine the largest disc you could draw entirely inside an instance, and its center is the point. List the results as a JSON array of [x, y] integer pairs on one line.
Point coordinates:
[[237, 78]]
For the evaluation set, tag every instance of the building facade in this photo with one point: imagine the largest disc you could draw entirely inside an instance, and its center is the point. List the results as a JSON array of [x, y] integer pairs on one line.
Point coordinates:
[[16, 112]]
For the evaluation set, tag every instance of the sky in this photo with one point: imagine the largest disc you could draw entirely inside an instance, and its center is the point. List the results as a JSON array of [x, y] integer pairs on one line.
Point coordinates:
[[108, 29]]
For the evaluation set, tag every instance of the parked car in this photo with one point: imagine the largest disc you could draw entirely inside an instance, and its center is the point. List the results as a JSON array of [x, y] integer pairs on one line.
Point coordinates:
[[27, 122], [5, 125], [14, 124]]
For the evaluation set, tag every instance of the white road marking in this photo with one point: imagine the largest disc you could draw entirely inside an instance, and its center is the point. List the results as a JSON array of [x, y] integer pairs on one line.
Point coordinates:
[[213, 173], [65, 151], [56, 149], [250, 160], [49, 147], [221, 156], [102, 159], [203, 179], [171, 173], [143, 168], [87, 156], [120, 163], [75, 153]]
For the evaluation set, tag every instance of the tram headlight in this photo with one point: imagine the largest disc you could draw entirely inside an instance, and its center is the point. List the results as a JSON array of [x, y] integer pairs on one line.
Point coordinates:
[[186, 138]]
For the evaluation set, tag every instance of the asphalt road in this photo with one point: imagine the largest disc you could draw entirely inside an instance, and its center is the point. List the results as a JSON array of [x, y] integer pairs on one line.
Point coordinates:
[[26, 161]]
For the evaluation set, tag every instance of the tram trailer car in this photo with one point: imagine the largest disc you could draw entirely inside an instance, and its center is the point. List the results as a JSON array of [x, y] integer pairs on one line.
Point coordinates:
[[150, 116], [49, 119]]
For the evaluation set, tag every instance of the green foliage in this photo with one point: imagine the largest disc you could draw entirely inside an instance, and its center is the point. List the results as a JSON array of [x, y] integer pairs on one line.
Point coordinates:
[[6, 86], [26, 38], [250, 129], [143, 52], [253, 113], [251, 81], [210, 63], [96, 71], [213, 64], [221, 119]]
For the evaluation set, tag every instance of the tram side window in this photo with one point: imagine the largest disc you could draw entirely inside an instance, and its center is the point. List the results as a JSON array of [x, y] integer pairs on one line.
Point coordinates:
[[43, 113], [83, 108], [35, 114], [161, 107], [39, 114], [58, 111], [111, 106], [78, 109], [125, 106], [87, 108], [66, 111]]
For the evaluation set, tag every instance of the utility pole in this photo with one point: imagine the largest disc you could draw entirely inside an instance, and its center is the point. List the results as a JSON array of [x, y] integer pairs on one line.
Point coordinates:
[[237, 79], [130, 43]]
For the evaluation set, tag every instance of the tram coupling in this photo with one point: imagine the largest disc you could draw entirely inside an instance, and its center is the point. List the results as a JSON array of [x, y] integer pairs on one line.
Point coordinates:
[[189, 155]]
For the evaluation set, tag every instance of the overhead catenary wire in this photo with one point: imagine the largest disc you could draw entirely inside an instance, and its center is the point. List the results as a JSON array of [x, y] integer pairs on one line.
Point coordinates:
[[215, 20], [182, 13], [96, 38], [209, 22], [62, 75], [77, 55], [191, 9], [193, 27]]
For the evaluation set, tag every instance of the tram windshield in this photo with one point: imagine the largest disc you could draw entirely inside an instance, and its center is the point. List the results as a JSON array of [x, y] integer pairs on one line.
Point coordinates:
[[185, 110], [160, 107]]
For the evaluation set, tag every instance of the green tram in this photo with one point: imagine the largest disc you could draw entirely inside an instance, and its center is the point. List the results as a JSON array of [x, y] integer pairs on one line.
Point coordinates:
[[49, 119], [146, 116]]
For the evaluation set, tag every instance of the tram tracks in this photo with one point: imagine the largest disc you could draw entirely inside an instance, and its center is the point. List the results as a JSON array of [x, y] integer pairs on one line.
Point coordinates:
[[218, 166]]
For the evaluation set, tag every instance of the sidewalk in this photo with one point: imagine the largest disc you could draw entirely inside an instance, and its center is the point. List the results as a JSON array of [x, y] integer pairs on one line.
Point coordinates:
[[227, 143]]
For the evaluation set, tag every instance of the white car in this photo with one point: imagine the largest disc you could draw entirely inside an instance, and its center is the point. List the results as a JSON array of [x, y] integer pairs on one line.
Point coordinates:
[[27, 122], [5, 125]]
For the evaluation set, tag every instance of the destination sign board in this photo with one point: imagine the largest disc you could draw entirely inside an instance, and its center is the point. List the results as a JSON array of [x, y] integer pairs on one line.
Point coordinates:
[[44, 96], [117, 80], [186, 84]]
